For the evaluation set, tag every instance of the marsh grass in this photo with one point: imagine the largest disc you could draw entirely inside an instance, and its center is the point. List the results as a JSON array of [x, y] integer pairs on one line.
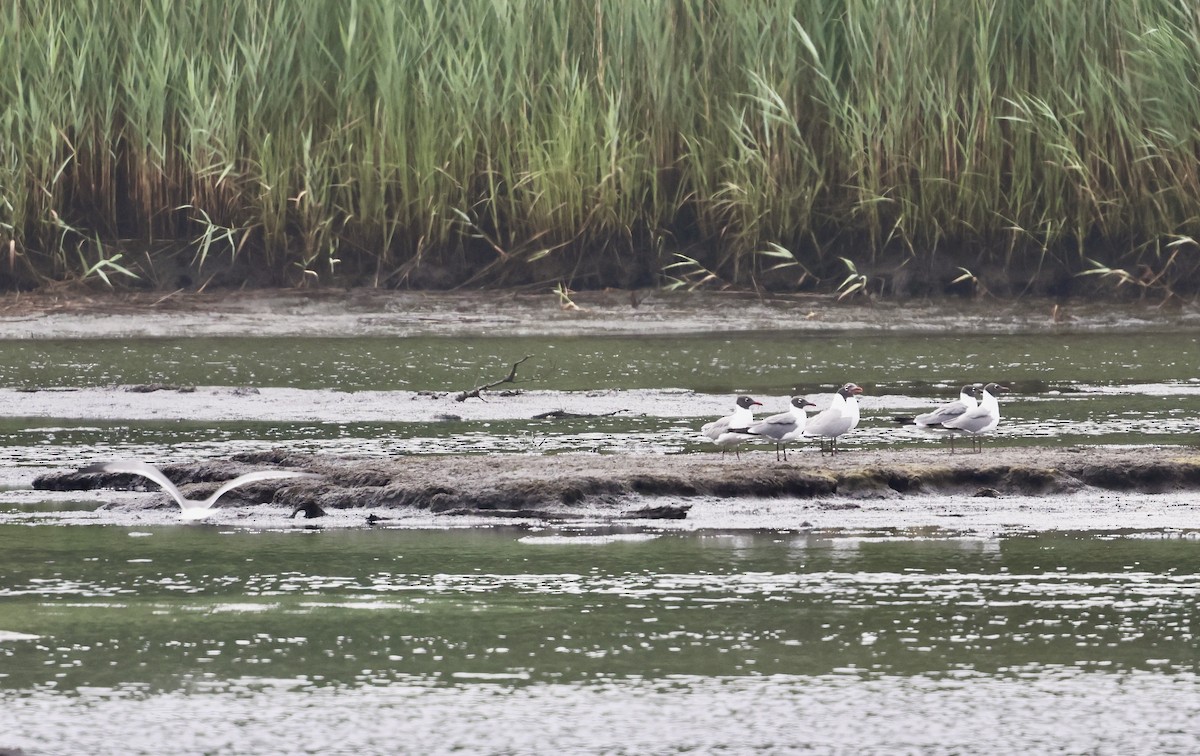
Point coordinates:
[[599, 142]]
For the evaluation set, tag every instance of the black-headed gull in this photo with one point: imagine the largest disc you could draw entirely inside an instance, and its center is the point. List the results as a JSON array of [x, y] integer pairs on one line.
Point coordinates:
[[980, 419], [852, 404], [729, 431], [190, 509], [934, 420], [835, 420], [784, 427]]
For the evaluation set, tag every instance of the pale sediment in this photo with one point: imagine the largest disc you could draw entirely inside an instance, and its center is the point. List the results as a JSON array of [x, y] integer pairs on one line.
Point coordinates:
[[378, 312], [624, 485]]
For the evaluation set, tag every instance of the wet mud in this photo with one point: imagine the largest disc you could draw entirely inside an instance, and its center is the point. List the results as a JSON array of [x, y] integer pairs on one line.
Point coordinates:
[[631, 486], [623, 486], [377, 312]]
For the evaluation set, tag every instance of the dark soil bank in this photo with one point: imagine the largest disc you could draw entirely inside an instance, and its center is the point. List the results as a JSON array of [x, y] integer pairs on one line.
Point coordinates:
[[556, 486]]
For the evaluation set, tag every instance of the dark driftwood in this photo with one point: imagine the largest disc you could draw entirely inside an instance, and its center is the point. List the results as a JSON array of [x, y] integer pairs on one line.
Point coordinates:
[[148, 388], [663, 512], [476, 392], [560, 414]]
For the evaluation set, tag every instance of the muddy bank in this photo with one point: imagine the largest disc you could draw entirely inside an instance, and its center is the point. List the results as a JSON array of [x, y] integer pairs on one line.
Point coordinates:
[[621, 485], [375, 312]]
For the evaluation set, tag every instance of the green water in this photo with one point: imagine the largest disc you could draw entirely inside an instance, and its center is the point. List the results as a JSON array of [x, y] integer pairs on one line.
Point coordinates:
[[141, 616], [209, 640], [341, 607], [259, 619], [1067, 388], [769, 362]]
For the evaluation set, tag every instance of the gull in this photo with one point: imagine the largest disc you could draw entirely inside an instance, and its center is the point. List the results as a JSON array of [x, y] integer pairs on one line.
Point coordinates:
[[731, 429], [838, 418], [949, 410], [934, 420], [784, 427], [191, 509], [852, 404], [979, 419]]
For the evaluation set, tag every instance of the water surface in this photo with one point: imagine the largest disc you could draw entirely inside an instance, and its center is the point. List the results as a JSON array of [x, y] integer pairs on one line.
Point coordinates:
[[586, 639], [394, 396], [1076, 641], [767, 362]]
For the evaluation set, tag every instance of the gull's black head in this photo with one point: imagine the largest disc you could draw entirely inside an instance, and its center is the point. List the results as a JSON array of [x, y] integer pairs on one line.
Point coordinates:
[[800, 402], [995, 388], [746, 402], [850, 389]]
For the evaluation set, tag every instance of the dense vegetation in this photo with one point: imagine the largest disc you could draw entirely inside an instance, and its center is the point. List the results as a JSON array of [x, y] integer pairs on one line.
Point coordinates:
[[601, 142]]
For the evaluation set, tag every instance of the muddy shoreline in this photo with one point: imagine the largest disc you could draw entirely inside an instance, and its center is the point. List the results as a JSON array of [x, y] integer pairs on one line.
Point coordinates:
[[606, 486], [621, 486], [376, 312]]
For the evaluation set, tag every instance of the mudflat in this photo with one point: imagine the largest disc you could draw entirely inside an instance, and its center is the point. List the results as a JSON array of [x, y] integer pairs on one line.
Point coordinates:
[[644, 486], [377, 312], [624, 485]]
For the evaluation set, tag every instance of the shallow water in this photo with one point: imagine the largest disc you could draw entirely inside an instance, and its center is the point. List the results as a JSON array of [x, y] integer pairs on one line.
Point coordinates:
[[503, 640], [897, 635], [394, 396], [767, 362]]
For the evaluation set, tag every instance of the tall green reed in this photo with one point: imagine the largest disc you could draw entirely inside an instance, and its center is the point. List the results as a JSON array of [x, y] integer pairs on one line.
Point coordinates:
[[512, 141]]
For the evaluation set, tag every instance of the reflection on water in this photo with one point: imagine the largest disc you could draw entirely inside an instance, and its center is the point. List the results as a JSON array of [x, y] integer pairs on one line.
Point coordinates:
[[607, 632]]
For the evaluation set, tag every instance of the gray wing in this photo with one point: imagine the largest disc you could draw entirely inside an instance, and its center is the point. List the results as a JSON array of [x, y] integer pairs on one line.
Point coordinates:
[[831, 422], [942, 414], [716, 427], [971, 421], [775, 426]]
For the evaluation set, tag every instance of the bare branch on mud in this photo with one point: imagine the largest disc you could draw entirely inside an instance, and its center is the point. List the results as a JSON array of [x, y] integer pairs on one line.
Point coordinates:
[[148, 388], [476, 392], [559, 414]]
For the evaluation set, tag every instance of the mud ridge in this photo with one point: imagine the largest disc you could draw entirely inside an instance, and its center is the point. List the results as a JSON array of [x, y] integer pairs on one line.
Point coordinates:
[[621, 485]]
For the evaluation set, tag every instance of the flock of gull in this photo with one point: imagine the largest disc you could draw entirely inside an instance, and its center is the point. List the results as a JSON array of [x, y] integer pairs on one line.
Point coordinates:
[[975, 413]]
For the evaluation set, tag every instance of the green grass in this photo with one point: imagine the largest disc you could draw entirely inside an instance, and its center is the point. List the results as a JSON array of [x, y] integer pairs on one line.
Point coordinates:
[[591, 141]]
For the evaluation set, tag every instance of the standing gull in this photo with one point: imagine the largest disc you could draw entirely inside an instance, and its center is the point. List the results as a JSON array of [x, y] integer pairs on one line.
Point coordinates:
[[784, 427], [852, 403], [980, 419], [191, 509], [731, 429], [934, 420], [834, 421]]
